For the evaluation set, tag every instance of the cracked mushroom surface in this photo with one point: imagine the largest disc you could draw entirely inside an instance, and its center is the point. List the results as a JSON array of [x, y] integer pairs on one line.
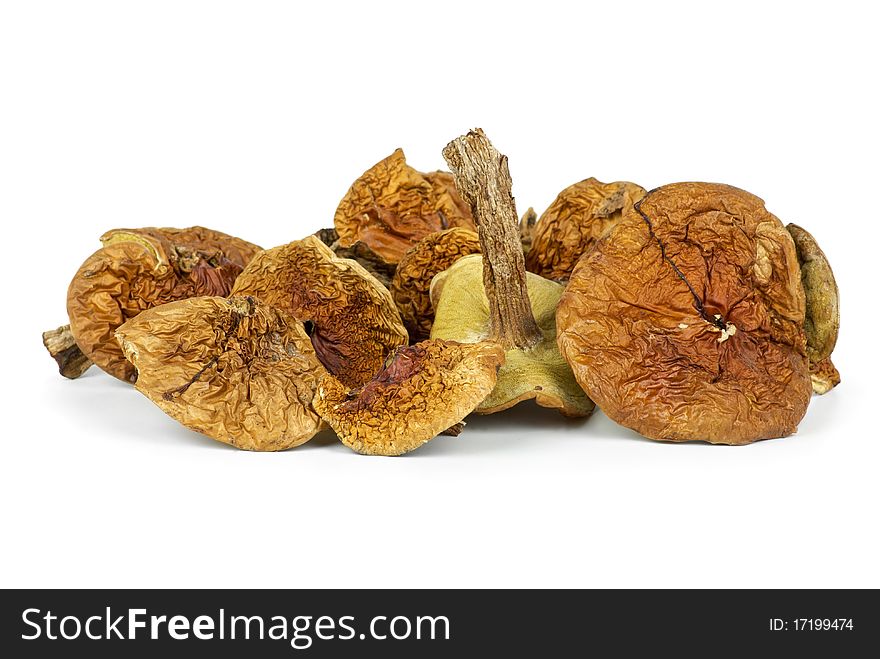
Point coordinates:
[[411, 286], [424, 390], [350, 317], [138, 269], [392, 206], [685, 322], [822, 322], [492, 297], [234, 369], [571, 225]]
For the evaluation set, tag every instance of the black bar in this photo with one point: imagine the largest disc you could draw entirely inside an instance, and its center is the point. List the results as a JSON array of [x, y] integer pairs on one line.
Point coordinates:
[[686, 622]]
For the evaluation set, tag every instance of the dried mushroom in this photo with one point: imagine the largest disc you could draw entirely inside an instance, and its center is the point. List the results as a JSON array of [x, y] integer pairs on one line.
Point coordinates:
[[685, 322], [137, 269], [527, 225], [392, 206], [822, 321], [490, 297], [411, 286], [577, 218], [349, 315], [824, 376], [62, 346], [425, 389], [237, 370], [360, 252]]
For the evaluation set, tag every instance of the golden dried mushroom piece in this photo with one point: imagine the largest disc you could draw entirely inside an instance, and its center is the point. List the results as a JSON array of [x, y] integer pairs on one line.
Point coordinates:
[[350, 316], [577, 218], [411, 286], [425, 389], [137, 269], [823, 308], [392, 206], [234, 369], [686, 321], [492, 297]]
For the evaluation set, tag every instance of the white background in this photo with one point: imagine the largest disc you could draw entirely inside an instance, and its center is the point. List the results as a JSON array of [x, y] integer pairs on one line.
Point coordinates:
[[255, 117]]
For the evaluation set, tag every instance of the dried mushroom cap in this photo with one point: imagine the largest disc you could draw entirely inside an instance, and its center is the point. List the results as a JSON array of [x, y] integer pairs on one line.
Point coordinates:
[[360, 252], [237, 370], [577, 218], [411, 285], [824, 376], [425, 389], [492, 297], [539, 372], [822, 320], [352, 320], [685, 322], [138, 269], [392, 206]]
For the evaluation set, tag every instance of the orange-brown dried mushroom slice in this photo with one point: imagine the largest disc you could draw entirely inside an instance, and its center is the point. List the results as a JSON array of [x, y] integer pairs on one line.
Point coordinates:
[[822, 321], [577, 218], [392, 206], [350, 316], [425, 389], [137, 269], [237, 370], [685, 322], [411, 286]]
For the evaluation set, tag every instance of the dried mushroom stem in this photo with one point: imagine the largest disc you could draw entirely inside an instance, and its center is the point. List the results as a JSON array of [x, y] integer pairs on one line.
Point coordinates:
[[62, 346], [483, 180]]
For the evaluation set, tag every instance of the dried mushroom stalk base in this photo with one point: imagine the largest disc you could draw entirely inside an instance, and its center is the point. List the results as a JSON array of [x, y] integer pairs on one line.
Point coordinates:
[[392, 206], [237, 370], [424, 390], [491, 297], [350, 316], [62, 346], [138, 269], [686, 321]]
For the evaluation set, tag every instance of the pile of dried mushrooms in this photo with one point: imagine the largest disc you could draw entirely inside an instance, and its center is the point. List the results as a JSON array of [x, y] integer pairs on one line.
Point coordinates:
[[688, 312]]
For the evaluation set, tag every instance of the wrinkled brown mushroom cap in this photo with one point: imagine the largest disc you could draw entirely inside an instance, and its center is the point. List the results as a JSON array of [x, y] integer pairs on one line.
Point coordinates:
[[538, 372], [571, 225], [425, 389], [685, 322], [411, 286], [354, 324], [234, 369], [822, 321], [392, 206], [138, 269]]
